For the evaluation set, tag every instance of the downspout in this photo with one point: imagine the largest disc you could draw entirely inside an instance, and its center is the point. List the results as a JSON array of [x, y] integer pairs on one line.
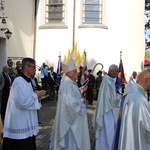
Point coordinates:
[[35, 25], [73, 30]]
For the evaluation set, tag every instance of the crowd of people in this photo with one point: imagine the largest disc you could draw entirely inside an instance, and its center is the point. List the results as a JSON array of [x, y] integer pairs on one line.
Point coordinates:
[[49, 82], [121, 120]]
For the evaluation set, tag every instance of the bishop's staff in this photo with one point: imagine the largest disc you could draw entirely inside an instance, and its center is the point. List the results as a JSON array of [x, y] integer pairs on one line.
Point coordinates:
[[84, 78]]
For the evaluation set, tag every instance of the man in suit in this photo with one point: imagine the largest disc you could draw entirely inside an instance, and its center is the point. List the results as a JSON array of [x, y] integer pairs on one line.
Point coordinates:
[[5, 91], [79, 76], [2, 82], [18, 68], [51, 83], [11, 70], [91, 84], [98, 81]]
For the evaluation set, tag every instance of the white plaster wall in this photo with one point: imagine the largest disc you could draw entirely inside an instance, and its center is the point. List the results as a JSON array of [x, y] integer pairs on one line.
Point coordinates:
[[20, 15], [50, 42], [126, 23], [125, 33]]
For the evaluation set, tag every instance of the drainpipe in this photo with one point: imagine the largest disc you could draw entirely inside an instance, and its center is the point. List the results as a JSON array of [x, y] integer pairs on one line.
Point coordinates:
[[73, 30], [35, 24]]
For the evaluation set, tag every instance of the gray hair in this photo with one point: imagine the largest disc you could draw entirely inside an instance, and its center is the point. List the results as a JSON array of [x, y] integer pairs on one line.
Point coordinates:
[[27, 61], [112, 67]]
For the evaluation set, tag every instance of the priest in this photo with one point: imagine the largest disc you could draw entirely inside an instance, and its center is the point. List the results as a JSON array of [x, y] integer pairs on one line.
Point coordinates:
[[106, 113], [70, 130], [133, 127]]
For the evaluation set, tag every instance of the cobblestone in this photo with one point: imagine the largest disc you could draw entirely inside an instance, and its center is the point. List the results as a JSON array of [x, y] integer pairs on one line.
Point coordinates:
[[46, 117]]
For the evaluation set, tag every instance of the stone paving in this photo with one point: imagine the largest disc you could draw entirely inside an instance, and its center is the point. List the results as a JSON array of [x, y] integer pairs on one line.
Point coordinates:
[[46, 117]]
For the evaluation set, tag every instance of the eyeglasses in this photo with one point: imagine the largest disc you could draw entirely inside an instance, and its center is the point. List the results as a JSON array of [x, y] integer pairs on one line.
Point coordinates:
[[34, 67]]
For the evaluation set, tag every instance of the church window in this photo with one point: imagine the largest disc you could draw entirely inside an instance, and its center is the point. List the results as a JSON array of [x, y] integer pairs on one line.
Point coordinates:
[[92, 11], [55, 11]]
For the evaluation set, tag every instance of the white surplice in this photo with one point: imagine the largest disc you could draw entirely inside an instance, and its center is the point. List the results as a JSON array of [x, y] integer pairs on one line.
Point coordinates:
[[21, 119], [70, 129]]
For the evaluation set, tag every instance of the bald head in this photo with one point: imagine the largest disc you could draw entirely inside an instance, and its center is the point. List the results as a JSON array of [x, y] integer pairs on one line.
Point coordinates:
[[5, 68], [144, 79]]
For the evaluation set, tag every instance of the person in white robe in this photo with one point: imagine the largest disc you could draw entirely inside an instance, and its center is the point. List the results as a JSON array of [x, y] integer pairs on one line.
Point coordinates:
[[133, 77], [70, 129], [134, 132], [21, 121], [106, 113]]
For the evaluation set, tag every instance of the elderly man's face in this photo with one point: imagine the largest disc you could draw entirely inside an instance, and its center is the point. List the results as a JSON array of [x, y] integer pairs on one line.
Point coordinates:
[[73, 75], [30, 70], [114, 72], [5, 69]]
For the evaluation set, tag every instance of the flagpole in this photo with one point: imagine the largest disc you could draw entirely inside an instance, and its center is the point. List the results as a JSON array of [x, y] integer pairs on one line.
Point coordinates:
[[120, 55], [59, 55], [73, 30], [86, 83], [85, 54], [59, 69]]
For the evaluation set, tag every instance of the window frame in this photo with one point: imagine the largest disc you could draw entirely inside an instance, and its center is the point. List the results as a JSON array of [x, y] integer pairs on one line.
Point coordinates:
[[102, 24], [52, 15], [92, 9], [53, 25]]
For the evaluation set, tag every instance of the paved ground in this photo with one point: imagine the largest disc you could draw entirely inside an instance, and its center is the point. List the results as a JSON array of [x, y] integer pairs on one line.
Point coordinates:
[[46, 117], [47, 114]]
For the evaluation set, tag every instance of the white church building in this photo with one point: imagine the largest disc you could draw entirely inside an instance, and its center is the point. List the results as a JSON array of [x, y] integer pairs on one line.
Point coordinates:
[[42, 29]]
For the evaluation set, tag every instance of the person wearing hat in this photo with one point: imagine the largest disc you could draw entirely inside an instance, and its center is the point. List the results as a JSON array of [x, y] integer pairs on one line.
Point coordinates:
[[70, 129]]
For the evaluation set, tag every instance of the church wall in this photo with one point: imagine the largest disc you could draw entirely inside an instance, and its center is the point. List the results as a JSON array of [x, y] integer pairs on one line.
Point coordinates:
[[20, 22], [125, 33]]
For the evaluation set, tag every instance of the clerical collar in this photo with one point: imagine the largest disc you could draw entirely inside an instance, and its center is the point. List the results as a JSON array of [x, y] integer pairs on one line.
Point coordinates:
[[25, 77]]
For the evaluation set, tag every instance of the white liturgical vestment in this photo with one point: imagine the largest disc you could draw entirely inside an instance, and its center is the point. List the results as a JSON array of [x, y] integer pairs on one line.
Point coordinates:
[[135, 122], [70, 130], [21, 119], [106, 114]]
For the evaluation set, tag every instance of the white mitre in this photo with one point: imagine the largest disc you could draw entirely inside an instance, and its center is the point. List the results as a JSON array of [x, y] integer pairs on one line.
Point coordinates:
[[68, 65]]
